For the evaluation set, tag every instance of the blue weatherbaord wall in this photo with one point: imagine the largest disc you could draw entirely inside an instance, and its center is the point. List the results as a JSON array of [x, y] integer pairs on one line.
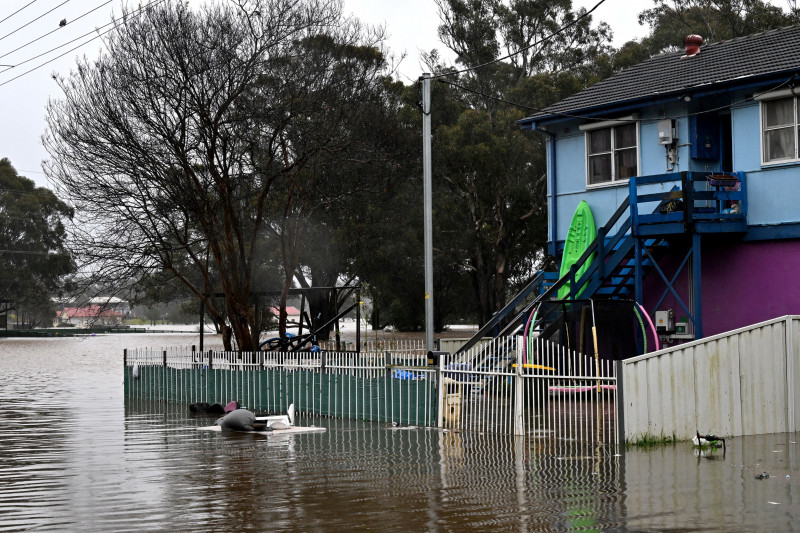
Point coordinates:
[[731, 108]]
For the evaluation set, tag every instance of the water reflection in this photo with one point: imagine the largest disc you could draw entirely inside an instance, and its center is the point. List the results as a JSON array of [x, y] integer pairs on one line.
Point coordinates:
[[77, 456]]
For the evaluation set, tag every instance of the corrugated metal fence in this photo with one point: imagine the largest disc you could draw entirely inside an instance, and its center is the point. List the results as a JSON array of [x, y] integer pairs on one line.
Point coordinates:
[[555, 393], [743, 382]]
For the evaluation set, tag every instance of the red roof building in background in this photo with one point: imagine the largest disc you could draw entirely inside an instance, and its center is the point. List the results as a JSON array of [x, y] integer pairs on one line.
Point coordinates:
[[89, 315]]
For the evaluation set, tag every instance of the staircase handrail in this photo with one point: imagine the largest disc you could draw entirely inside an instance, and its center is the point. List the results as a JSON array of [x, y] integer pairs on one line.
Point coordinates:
[[501, 314], [553, 289]]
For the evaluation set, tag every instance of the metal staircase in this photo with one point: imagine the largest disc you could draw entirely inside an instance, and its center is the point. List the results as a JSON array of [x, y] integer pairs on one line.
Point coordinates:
[[629, 246]]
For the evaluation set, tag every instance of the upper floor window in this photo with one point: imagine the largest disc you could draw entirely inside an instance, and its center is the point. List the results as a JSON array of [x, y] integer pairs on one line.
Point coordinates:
[[779, 123], [612, 153]]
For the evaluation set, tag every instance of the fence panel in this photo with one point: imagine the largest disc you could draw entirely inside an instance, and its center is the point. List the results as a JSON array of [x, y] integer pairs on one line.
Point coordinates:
[[735, 383], [553, 392], [386, 387]]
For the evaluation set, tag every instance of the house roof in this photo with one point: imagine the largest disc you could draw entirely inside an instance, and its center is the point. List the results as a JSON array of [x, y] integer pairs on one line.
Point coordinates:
[[290, 310], [731, 62], [89, 311]]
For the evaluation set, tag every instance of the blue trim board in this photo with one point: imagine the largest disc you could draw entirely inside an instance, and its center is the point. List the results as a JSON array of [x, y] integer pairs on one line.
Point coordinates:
[[772, 232], [754, 233], [650, 100]]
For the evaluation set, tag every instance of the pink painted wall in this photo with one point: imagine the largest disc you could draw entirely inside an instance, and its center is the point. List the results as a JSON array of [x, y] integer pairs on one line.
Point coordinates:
[[743, 283]]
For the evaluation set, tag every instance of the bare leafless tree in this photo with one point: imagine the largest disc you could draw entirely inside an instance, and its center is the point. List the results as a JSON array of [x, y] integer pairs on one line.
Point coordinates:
[[194, 136]]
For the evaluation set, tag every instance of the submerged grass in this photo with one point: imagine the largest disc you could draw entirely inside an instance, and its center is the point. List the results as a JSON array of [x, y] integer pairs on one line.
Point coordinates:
[[649, 440]]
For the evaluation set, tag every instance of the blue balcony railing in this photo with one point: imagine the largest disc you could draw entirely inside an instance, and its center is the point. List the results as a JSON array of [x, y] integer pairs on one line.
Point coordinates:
[[688, 202]]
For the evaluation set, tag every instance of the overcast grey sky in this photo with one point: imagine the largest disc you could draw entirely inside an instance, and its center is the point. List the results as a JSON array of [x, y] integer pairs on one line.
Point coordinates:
[[411, 26]]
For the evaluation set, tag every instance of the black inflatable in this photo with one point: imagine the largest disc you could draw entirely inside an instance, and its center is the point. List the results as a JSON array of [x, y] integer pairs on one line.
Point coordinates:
[[213, 408], [206, 408]]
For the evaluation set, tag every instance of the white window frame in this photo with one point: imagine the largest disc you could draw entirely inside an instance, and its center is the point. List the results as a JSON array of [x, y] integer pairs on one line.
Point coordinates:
[[762, 128], [610, 125]]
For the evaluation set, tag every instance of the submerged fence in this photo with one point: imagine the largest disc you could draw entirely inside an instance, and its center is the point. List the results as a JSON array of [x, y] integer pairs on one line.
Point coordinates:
[[499, 387], [742, 382], [343, 385]]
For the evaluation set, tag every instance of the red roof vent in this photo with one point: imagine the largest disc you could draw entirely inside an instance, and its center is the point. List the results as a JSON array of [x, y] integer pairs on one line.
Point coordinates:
[[692, 43]]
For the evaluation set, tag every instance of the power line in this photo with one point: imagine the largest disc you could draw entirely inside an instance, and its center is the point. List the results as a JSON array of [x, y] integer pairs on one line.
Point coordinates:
[[495, 98], [17, 11], [524, 48], [62, 46], [34, 20], [58, 28], [34, 171], [115, 24]]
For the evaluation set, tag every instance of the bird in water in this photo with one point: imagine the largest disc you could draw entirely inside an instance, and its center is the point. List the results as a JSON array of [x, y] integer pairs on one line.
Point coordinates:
[[710, 441]]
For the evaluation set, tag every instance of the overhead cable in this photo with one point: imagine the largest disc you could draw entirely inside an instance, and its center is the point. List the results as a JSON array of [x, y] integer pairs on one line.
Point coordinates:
[[524, 48], [34, 20], [114, 24], [58, 28], [17, 11]]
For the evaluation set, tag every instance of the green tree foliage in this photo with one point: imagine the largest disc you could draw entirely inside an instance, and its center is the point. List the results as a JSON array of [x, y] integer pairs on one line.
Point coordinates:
[[331, 211], [495, 193], [715, 20], [34, 260], [383, 229]]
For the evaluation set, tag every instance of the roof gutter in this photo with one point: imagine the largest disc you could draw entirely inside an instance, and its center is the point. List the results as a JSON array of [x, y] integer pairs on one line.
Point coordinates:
[[722, 87]]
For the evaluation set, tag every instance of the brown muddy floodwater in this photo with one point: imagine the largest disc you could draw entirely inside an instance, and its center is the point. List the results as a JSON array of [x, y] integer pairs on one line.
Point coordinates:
[[75, 456]]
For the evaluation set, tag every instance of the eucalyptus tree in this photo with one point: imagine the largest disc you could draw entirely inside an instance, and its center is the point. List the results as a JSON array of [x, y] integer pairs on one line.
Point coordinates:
[[34, 261], [189, 141], [716, 20], [528, 51]]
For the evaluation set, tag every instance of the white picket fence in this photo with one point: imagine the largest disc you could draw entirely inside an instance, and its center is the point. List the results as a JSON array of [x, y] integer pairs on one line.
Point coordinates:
[[555, 393]]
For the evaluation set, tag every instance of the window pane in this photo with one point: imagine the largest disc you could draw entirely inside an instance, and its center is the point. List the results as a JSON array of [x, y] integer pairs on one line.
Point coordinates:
[[624, 164], [600, 141], [599, 169], [625, 136], [778, 112], [779, 144]]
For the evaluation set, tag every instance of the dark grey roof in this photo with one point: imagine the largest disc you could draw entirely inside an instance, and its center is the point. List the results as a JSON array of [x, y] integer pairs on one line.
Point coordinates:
[[725, 62]]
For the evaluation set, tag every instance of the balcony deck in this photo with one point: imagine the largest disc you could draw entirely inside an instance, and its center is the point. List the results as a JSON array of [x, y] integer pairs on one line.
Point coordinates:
[[695, 202]]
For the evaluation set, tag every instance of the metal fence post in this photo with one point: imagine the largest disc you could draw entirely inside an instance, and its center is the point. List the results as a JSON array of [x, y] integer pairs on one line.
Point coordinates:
[[790, 391], [619, 402], [125, 385], [440, 392], [519, 403], [388, 392]]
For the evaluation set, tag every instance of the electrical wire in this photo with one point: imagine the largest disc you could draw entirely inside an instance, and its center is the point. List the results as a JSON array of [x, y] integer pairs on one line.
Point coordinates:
[[17, 11], [524, 48], [113, 24], [34, 20], [58, 28], [495, 98]]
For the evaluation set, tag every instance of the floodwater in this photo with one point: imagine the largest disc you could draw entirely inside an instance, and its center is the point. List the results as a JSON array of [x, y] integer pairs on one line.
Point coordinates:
[[75, 456]]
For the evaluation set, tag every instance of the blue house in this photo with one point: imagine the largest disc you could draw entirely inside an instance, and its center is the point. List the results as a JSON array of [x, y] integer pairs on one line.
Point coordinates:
[[690, 162]]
